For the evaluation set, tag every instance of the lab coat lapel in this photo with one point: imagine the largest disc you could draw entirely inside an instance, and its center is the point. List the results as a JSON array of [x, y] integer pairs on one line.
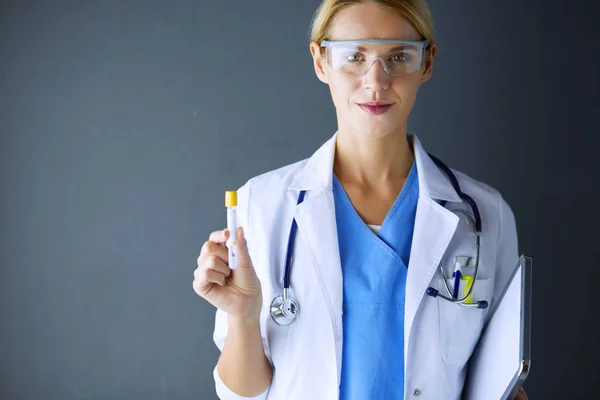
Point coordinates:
[[433, 231], [317, 227]]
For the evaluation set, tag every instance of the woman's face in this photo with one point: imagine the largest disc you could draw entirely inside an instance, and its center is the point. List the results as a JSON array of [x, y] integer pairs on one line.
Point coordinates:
[[371, 21]]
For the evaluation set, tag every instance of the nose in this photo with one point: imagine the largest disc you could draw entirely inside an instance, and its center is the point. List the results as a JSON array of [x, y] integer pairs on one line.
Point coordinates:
[[375, 78]]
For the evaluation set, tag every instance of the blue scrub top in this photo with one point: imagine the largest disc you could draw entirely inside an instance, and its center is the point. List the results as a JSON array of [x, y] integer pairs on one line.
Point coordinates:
[[374, 271]]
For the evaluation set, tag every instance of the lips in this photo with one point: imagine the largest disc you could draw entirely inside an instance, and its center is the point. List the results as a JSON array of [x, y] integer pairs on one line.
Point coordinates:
[[375, 107]]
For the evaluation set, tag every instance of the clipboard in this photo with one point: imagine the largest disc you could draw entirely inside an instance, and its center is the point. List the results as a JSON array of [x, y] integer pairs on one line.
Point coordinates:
[[501, 360]]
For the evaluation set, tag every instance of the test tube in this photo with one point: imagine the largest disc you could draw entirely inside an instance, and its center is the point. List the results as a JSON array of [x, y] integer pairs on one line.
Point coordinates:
[[231, 204]]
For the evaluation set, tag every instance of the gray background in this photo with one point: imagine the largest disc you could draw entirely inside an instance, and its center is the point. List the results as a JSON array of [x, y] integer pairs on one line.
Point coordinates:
[[123, 122]]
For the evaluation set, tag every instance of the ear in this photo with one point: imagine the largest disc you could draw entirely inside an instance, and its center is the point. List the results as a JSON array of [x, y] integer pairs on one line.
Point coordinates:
[[428, 65], [319, 62]]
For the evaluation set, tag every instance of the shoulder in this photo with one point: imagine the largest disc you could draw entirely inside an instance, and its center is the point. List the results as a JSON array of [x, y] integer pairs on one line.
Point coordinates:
[[477, 189], [264, 186], [277, 179], [264, 193], [487, 197]]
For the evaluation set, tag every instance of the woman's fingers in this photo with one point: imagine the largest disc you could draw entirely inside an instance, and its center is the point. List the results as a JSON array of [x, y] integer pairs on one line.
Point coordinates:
[[219, 236], [204, 277], [213, 276], [214, 263], [211, 248]]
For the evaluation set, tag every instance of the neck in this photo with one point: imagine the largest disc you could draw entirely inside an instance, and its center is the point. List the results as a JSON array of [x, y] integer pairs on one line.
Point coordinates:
[[370, 161]]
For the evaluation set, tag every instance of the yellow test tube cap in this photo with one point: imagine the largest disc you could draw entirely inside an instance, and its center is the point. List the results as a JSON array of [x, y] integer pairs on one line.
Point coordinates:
[[231, 198]]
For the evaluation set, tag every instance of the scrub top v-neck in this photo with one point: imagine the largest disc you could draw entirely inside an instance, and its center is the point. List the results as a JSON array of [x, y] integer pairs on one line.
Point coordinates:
[[374, 268]]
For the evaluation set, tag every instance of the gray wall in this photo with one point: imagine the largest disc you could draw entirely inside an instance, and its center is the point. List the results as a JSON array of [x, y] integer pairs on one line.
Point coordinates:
[[122, 123]]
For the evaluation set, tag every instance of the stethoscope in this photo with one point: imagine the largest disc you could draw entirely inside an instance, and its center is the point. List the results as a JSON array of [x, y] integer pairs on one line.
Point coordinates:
[[453, 296], [285, 310]]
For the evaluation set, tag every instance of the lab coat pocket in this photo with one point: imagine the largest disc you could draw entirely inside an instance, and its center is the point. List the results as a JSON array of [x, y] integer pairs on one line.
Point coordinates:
[[460, 326]]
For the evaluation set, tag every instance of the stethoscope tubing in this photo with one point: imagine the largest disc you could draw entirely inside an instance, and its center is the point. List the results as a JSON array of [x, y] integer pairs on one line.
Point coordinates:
[[278, 302]]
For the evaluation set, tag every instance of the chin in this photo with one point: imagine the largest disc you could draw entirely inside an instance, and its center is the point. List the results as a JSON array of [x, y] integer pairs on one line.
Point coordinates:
[[376, 130]]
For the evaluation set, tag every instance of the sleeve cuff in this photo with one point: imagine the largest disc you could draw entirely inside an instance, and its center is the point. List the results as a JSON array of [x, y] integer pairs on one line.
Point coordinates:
[[225, 393]]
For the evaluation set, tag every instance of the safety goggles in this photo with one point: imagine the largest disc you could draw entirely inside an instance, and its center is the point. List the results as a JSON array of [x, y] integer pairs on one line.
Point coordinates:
[[355, 57]]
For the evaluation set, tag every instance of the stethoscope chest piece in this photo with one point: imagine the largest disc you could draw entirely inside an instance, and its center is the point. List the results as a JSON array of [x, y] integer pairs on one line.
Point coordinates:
[[284, 311]]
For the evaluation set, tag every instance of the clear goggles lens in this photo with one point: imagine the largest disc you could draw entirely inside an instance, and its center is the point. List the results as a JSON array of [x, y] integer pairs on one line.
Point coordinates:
[[356, 57]]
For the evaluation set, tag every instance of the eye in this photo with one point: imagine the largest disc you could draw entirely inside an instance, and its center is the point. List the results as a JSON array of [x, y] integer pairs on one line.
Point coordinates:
[[353, 57], [401, 58]]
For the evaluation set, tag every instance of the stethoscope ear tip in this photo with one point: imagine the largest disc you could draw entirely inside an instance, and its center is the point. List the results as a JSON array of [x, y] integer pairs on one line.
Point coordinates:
[[432, 292]]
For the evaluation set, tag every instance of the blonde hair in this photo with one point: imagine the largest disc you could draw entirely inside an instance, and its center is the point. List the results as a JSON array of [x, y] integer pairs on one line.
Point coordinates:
[[415, 11]]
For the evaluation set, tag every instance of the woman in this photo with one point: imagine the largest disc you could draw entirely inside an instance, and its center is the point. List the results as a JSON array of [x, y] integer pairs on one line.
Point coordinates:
[[375, 217]]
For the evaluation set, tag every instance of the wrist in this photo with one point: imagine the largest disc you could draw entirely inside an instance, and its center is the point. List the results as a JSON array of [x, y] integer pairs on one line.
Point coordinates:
[[245, 322], [251, 316]]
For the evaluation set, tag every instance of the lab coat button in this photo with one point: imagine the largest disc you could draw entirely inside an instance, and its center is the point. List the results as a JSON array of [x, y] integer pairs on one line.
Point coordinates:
[[416, 393]]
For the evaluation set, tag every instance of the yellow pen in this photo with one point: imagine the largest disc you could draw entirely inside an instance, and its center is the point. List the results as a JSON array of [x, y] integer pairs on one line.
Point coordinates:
[[468, 284]]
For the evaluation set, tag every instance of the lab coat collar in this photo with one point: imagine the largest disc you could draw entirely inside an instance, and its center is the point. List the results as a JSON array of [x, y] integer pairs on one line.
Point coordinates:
[[433, 230], [317, 173]]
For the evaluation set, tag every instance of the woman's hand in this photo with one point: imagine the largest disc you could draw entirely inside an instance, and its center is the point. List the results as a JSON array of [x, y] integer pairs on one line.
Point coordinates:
[[237, 292]]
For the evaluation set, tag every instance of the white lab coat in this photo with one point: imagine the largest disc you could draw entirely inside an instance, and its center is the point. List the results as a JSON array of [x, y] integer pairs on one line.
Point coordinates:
[[440, 336]]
